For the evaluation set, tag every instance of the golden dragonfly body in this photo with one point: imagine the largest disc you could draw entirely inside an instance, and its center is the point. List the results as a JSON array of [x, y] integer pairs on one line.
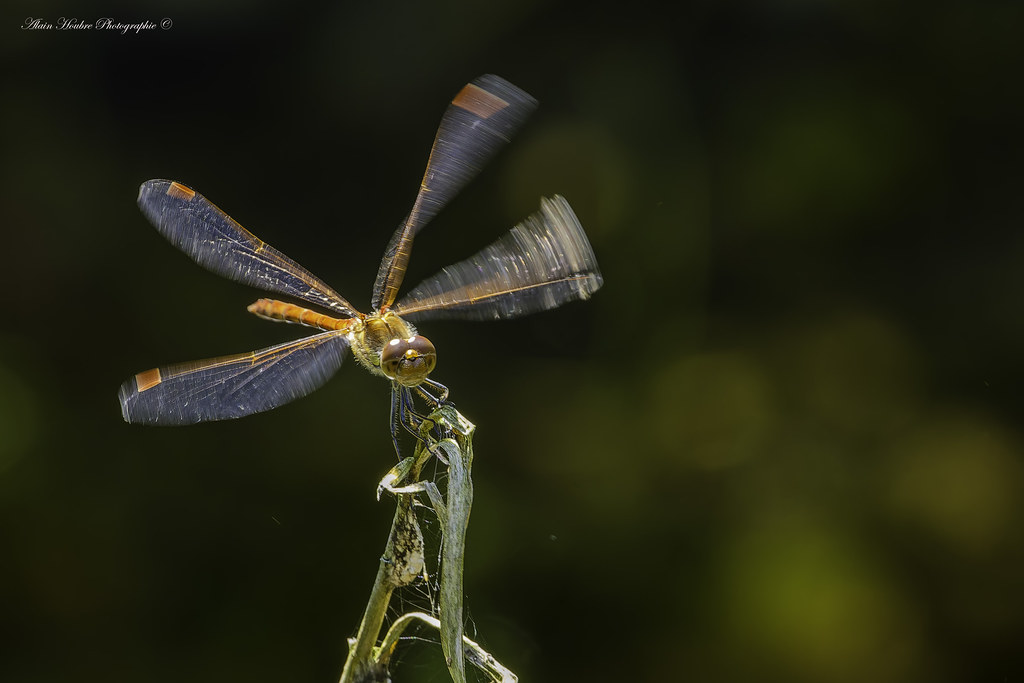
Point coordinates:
[[541, 263]]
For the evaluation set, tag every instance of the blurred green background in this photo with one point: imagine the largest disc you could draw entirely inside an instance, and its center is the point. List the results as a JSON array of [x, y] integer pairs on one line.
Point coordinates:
[[783, 443]]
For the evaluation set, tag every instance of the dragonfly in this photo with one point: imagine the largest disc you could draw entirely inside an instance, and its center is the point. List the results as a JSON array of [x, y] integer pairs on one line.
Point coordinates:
[[541, 263]]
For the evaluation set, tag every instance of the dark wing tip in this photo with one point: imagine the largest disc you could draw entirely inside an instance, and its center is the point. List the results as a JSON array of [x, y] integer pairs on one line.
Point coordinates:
[[131, 390], [125, 396], [153, 187], [153, 191], [496, 85]]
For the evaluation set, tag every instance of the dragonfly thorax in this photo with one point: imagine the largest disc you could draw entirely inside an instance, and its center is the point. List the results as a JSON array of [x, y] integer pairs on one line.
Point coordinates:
[[385, 344]]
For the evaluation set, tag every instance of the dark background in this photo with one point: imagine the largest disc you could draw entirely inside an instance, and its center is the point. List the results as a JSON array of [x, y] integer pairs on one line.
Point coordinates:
[[783, 443]]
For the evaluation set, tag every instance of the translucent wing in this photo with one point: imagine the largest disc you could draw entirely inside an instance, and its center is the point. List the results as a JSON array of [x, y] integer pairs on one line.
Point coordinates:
[[540, 264], [482, 117], [232, 386], [216, 242]]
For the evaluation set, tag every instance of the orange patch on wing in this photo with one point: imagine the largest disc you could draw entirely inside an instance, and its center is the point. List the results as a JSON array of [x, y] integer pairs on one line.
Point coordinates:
[[179, 191], [148, 379], [478, 101]]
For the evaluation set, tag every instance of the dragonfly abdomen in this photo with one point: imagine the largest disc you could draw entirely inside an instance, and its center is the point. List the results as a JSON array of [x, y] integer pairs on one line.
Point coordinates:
[[271, 309]]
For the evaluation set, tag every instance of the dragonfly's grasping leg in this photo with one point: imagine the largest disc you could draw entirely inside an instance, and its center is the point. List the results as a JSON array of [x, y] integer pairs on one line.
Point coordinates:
[[403, 408], [438, 400], [403, 414], [410, 419], [395, 417]]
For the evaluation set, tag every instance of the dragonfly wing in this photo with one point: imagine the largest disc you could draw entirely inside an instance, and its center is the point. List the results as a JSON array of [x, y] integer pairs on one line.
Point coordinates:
[[540, 264], [215, 241], [232, 386], [482, 117]]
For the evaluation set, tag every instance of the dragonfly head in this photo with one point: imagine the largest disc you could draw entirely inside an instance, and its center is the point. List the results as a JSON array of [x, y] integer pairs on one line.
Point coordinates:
[[408, 361]]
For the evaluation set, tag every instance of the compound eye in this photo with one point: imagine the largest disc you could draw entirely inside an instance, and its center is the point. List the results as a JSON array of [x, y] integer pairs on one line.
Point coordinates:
[[408, 361]]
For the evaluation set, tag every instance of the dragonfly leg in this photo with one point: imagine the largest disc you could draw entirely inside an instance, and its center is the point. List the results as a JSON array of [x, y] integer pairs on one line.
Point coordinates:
[[410, 419], [441, 389], [396, 417], [403, 408], [403, 415]]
